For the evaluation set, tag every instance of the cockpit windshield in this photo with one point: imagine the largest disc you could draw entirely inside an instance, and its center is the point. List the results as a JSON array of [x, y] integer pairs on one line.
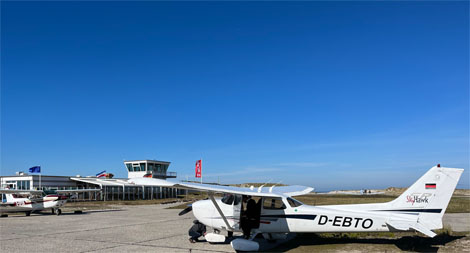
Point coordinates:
[[230, 199], [293, 202]]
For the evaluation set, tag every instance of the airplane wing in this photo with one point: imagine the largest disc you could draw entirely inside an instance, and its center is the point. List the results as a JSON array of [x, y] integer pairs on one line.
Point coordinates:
[[151, 182], [272, 191], [293, 190], [13, 191], [276, 191]]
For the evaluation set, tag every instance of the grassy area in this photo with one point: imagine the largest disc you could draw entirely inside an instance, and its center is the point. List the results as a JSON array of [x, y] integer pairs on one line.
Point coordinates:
[[459, 204]]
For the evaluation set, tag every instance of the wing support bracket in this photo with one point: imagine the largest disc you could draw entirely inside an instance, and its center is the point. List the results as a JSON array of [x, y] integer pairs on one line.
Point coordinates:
[[211, 196]]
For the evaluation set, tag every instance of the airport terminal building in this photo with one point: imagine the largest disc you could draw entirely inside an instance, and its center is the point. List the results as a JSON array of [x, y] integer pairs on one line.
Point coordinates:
[[111, 188]]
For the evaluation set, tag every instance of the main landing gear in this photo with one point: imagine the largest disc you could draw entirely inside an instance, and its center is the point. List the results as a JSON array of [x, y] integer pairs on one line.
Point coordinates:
[[56, 211]]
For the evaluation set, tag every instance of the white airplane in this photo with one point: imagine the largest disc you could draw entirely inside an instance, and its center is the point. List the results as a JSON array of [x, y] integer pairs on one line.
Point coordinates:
[[276, 213], [15, 201]]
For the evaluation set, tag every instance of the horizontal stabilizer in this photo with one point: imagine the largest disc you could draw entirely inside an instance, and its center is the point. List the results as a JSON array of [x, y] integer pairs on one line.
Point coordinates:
[[420, 228], [407, 225]]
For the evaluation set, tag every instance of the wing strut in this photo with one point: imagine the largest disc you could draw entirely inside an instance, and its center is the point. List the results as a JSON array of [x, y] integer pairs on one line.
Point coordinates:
[[211, 196]]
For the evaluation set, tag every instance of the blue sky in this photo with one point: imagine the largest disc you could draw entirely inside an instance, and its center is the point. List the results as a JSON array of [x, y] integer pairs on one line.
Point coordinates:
[[334, 95]]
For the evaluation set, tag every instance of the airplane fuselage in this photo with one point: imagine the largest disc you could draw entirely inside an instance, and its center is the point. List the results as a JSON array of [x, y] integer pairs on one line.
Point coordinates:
[[32, 205], [302, 218]]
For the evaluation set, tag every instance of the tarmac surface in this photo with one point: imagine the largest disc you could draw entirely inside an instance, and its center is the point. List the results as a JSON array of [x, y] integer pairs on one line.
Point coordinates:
[[127, 229], [146, 228]]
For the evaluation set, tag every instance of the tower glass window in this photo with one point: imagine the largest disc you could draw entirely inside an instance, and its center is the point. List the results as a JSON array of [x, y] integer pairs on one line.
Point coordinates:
[[136, 166], [159, 168]]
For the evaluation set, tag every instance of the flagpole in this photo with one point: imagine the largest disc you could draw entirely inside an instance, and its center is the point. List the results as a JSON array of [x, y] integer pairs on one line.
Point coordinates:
[[200, 165]]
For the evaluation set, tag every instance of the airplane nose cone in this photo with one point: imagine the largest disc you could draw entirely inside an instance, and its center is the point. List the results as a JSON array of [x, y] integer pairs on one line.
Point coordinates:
[[203, 212]]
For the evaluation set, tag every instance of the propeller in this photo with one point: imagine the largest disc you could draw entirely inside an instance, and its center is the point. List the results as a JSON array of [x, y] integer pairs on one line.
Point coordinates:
[[186, 210]]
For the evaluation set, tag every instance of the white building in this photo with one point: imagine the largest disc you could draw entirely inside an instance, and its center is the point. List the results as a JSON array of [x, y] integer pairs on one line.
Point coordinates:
[[24, 181], [112, 189]]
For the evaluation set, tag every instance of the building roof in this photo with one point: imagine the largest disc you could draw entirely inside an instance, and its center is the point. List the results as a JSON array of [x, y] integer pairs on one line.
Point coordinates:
[[152, 161], [104, 182], [34, 175]]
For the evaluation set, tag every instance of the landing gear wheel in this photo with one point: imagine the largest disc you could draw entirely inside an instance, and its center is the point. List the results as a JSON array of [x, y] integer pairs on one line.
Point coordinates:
[[53, 211], [58, 211], [28, 213]]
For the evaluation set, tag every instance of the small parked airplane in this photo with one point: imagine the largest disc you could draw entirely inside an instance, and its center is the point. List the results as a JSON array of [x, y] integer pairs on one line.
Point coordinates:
[[276, 213], [15, 201]]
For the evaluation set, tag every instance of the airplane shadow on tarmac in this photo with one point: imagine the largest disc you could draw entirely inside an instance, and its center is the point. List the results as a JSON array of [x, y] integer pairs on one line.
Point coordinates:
[[405, 243]]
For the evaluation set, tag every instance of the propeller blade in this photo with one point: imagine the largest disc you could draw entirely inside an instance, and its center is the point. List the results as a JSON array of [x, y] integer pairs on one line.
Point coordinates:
[[186, 210]]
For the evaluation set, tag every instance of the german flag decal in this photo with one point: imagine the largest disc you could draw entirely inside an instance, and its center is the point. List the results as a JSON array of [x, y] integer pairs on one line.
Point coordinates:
[[430, 186]]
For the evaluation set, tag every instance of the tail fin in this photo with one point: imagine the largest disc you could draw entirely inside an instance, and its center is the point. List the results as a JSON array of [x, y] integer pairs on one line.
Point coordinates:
[[429, 196], [9, 198]]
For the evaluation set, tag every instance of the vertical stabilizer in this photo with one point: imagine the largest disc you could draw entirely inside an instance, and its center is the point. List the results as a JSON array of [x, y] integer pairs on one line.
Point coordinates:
[[10, 198], [429, 196]]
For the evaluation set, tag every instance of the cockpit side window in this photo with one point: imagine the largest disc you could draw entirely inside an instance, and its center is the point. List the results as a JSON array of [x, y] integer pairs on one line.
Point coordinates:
[[273, 203], [228, 199], [293, 202]]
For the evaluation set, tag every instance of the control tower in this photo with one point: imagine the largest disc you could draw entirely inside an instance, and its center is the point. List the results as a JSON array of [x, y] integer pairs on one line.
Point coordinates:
[[149, 168]]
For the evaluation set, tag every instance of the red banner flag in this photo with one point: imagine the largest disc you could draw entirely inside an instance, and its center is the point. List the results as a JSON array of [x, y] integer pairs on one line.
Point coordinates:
[[198, 168]]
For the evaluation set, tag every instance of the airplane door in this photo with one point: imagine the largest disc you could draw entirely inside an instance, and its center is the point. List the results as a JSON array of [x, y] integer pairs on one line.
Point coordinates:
[[237, 207], [231, 207], [272, 214]]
